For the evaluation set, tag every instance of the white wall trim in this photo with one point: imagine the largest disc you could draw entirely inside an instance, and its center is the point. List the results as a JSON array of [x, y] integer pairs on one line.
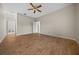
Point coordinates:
[[61, 36], [23, 34]]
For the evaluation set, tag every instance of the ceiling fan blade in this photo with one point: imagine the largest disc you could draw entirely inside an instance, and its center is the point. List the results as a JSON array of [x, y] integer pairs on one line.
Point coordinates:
[[39, 10], [39, 6], [34, 11], [31, 4], [30, 9]]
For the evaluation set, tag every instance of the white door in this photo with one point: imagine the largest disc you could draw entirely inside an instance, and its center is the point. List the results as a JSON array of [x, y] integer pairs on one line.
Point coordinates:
[[36, 27]]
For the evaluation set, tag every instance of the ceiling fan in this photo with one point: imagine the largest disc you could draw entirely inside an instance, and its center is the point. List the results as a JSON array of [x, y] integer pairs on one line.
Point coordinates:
[[35, 8]]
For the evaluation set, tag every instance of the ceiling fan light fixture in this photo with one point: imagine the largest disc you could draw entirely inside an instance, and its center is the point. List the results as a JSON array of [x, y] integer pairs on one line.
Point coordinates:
[[35, 8]]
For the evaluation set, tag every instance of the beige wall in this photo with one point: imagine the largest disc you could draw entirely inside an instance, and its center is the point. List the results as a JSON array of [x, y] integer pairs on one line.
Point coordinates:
[[1, 23], [24, 24], [77, 21], [59, 23]]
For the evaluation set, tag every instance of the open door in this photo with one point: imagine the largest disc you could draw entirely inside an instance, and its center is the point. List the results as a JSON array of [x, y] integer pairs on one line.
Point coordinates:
[[11, 28], [36, 27]]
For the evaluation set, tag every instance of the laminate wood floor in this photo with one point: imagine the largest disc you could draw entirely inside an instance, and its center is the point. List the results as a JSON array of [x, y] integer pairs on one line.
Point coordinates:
[[38, 44]]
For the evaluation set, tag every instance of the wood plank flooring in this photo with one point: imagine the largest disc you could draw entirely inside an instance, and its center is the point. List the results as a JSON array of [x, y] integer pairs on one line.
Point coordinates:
[[38, 44]]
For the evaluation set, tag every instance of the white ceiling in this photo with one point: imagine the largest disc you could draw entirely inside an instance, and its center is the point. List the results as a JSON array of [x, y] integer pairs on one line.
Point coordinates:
[[46, 8]]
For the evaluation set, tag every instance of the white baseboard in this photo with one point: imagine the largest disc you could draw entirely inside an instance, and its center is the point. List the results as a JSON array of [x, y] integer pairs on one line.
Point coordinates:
[[67, 37], [23, 34], [71, 38], [61, 36]]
